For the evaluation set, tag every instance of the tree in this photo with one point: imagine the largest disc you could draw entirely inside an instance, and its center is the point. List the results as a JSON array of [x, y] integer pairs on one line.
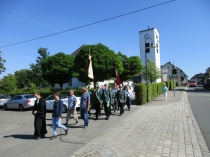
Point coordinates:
[[9, 83], [36, 68], [102, 62], [207, 73], [2, 61], [58, 68], [154, 72], [132, 66], [24, 78]]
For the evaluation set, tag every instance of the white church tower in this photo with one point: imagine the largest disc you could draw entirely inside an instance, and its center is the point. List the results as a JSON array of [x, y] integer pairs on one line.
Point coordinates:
[[148, 38]]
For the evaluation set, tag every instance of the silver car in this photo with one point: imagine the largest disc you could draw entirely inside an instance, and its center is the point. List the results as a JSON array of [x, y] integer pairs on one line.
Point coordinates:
[[20, 102], [4, 98]]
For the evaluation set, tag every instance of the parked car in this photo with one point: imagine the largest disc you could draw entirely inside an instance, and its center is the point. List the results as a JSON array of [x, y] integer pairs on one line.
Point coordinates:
[[50, 102], [192, 84], [4, 98], [20, 102]]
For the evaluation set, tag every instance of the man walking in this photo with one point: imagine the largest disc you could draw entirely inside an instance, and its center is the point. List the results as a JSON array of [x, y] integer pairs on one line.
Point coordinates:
[[72, 101], [97, 101], [106, 97], [115, 92], [121, 99], [165, 89], [85, 106], [56, 115], [39, 112]]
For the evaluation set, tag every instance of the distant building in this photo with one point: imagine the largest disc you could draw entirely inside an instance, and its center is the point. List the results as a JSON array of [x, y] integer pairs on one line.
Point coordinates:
[[148, 38], [180, 77]]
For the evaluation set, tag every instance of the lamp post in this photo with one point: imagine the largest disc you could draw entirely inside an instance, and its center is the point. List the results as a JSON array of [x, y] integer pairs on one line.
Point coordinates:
[[147, 50]]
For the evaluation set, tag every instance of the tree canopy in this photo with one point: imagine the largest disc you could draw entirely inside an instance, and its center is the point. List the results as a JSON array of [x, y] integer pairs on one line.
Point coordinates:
[[2, 61], [24, 78], [102, 62], [58, 68], [154, 72], [9, 83], [36, 68], [132, 65]]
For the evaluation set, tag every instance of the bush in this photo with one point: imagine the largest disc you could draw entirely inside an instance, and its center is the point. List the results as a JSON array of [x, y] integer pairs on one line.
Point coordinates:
[[155, 89], [141, 93]]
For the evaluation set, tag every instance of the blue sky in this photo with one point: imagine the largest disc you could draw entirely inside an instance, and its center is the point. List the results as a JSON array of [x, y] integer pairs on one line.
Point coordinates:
[[183, 26]]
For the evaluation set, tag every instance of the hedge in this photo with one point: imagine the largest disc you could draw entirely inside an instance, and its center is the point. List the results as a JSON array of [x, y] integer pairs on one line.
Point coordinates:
[[155, 89]]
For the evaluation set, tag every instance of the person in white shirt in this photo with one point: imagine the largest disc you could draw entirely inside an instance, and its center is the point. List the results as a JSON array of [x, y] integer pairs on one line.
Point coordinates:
[[129, 97]]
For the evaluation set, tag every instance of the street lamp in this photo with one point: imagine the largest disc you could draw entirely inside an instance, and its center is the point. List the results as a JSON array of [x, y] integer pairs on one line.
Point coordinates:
[[147, 50]]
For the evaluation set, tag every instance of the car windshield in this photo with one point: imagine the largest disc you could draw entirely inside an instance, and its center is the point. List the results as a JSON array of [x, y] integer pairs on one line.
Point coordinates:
[[29, 96], [4, 97], [192, 81]]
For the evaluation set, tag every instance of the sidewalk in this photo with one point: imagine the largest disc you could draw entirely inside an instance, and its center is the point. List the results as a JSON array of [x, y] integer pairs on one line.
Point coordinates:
[[159, 128]]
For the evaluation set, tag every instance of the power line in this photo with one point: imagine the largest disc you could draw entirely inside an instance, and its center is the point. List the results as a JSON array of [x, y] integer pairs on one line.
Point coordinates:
[[88, 24]]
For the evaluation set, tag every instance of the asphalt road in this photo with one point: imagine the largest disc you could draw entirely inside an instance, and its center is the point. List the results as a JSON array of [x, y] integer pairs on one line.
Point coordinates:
[[17, 138], [199, 99]]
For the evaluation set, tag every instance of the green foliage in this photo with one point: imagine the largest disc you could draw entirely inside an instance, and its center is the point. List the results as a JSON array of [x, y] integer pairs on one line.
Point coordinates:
[[58, 68], [131, 65], [36, 68], [9, 83], [155, 89], [154, 72], [2, 61], [24, 78], [102, 63], [141, 93]]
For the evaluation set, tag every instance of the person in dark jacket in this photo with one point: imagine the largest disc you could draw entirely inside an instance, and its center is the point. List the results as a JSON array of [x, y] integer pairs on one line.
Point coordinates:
[[106, 98], [39, 112], [121, 99], [56, 115], [97, 101]]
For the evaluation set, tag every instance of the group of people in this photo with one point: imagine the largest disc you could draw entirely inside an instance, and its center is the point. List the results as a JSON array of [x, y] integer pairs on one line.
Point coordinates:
[[102, 97]]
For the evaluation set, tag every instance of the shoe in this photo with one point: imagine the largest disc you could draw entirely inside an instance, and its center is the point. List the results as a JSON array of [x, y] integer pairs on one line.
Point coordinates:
[[38, 138], [53, 137], [42, 136], [108, 118], [128, 109], [85, 127], [76, 123], [66, 131], [65, 123]]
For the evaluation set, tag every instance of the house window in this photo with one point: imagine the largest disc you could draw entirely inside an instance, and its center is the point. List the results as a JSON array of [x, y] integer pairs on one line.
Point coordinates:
[[70, 82]]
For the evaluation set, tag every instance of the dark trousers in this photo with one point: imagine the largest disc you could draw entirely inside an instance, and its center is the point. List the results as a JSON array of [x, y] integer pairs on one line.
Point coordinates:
[[121, 105], [107, 110], [128, 102], [115, 105], [98, 109], [39, 126]]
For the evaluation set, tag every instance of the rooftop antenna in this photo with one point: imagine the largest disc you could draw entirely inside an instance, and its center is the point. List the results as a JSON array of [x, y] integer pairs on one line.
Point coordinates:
[[148, 24]]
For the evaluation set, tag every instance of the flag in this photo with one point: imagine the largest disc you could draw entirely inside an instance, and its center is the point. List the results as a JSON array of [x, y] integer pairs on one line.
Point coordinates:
[[90, 68], [116, 74]]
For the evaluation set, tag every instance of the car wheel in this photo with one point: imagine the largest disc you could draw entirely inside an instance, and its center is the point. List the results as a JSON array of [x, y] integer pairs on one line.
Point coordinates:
[[5, 107], [64, 109], [21, 108]]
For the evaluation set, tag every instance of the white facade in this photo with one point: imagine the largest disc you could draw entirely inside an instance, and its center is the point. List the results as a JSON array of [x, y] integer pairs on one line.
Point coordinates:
[[73, 83], [180, 77], [150, 36]]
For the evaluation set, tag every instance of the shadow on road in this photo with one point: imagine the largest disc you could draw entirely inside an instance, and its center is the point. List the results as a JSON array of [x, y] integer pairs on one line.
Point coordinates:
[[21, 136]]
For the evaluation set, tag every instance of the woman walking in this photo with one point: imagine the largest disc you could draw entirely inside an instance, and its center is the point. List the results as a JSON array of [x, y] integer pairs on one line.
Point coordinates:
[[56, 115]]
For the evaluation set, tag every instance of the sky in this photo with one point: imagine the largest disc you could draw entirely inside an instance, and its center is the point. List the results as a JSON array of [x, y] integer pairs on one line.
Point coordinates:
[[184, 27]]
